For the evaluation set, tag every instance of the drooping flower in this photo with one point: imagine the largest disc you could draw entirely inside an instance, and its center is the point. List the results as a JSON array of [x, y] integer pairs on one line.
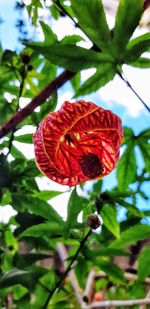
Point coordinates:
[[79, 142]]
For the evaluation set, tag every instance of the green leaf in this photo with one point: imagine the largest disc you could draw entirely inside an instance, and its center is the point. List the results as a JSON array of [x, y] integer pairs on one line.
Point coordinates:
[[4, 171], [144, 264], [114, 272], [75, 81], [102, 76], [25, 138], [41, 208], [93, 21], [46, 195], [130, 207], [145, 149], [145, 134], [23, 260], [127, 19], [71, 39], [126, 170], [50, 36], [50, 229], [143, 63], [16, 153], [73, 58], [136, 47], [74, 207], [131, 236], [26, 278], [108, 214], [128, 135]]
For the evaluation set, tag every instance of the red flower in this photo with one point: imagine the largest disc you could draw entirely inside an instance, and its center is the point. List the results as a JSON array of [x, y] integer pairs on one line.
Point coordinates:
[[79, 142]]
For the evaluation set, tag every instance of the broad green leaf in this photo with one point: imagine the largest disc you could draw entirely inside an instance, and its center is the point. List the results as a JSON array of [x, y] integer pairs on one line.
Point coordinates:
[[92, 20], [114, 272], [126, 170], [73, 58], [103, 75], [44, 229], [108, 214], [144, 264], [25, 138], [127, 19], [136, 47], [145, 149], [106, 251], [75, 205], [50, 36], [41, 208], [143, 63], [131, 236], [46, 195]]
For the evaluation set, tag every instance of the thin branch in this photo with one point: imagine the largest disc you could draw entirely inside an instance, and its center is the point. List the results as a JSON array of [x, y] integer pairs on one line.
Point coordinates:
[[87, 295], [63, 254], [128, 276], [129, 85], [37, 101], [59, 283], [120, 303]]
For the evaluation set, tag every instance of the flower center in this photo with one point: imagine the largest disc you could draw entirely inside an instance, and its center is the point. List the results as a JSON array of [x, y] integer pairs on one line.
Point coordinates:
[[91, 165]]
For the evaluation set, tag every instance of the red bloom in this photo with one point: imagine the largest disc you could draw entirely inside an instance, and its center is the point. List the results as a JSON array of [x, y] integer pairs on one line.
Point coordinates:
[[79, 142]]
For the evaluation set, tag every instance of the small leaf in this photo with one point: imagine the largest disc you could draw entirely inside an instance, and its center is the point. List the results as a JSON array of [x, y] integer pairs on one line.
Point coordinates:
[[136, 47], [102, 76], [44, 229], [71, 39], [93, 21], [126, 170], [145, 149], [46, 195], [75, 205], [108, 214], [144, 264], [113, 271], [143, 63], [131, 236], [50, 36], [127, 19], [25, 138]]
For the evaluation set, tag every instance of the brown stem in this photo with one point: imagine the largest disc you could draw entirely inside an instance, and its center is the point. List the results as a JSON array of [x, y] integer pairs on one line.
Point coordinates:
[[37, 101]]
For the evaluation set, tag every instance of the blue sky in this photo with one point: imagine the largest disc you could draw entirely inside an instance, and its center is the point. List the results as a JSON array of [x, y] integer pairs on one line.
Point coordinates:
[[115, 96]]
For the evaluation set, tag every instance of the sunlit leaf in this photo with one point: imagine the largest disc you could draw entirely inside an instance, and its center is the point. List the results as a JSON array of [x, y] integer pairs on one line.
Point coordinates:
[[93, 21], [143, 263], [127, 19]]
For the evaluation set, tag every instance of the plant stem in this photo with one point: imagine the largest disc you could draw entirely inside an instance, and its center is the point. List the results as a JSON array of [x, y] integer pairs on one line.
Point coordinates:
[[37, 101], [129, 85], [59, 283]]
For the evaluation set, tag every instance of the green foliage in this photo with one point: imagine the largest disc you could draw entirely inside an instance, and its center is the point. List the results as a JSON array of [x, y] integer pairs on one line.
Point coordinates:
[[127, 19], [30, 265], [93, 22], [143, 263]]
